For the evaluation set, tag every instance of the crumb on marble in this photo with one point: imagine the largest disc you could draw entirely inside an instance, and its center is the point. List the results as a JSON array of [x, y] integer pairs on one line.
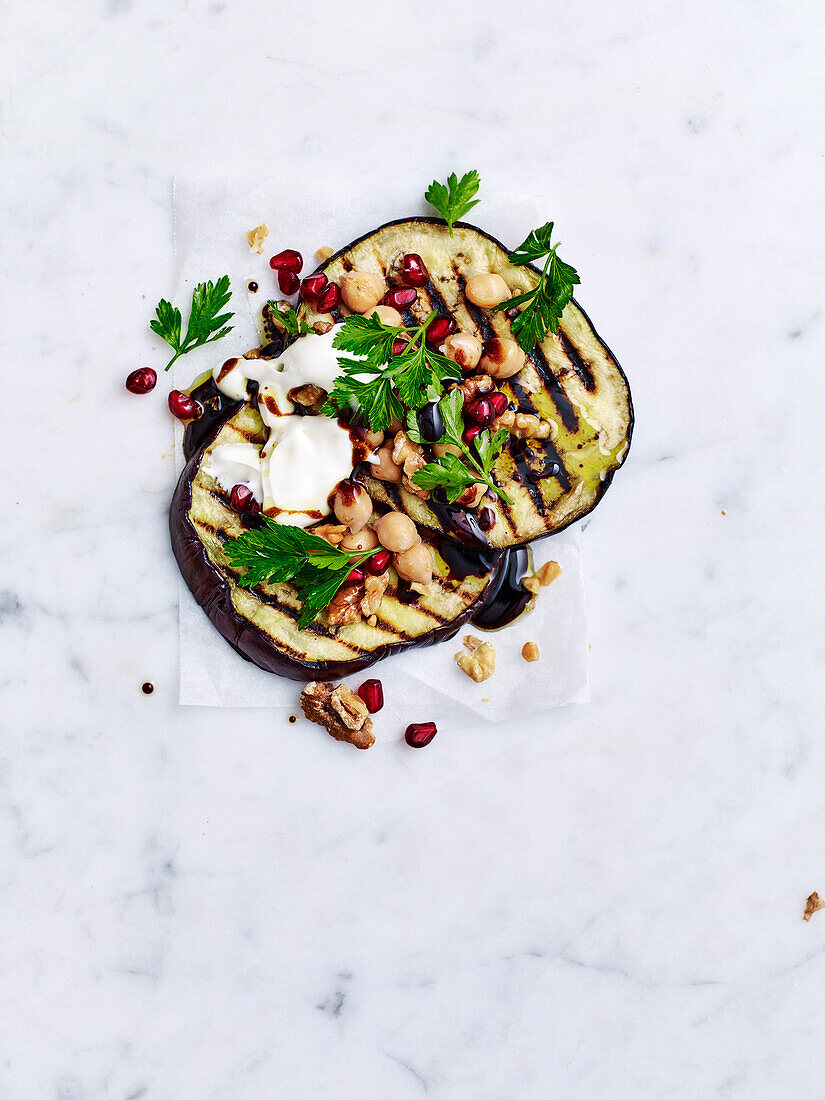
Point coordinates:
[[323, 253], [256, 237], [813, 903]]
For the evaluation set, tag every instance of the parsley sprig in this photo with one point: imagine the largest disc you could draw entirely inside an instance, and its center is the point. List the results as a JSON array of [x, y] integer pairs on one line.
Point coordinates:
[[206, 322], [455, 199], [448, 471], [288, 319], [276, 552], [382, 385], [544, 304]]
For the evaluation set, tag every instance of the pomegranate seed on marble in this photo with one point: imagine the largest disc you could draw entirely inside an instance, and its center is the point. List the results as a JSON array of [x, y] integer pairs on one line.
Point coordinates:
[[440, 328], [400, 297], [288, 260], [499, 401], [141, 380], [413, 271], [329, 298], [313, 285], [372, 692], [242, 500], [379, 563], [355, 576], [183, 406], [481, 411], [419, 734], [288, 282], [470, 433]]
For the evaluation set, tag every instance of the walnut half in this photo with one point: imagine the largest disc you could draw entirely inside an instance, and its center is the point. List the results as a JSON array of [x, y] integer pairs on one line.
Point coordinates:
[[480, 662], [341, 712]]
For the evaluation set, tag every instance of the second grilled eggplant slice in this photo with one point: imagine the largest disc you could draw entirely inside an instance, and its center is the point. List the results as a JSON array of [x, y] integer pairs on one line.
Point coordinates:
[[261, 623], [572, 380]]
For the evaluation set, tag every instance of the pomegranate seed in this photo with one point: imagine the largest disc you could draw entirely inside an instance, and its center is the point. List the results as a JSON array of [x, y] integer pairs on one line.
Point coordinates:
[[141, 380], [183, 406], [419, 734], [242, 500], [329, 298], [481, 411], [413, 271], [313, 285], [288, 281], [288, 260], [440, 328], [355, 576], [398, 345], [379, 563], [470, 433], [372, 692], [400, 297], [499, 402]]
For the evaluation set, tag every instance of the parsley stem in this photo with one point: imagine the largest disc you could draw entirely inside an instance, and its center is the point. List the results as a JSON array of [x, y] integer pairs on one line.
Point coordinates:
[[486, 478]]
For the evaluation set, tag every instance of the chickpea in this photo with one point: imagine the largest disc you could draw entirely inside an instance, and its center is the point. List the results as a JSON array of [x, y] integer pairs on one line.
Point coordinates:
[[440, 449], [385, 469], [388, 316], [362, 290], [396, 531], [352, 505], [415, 564], [464, 349], [502, 358], [486, 290], [365, 539]]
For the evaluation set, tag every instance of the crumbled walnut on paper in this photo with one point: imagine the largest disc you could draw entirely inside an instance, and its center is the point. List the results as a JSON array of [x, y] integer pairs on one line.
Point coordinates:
[[813, 903], [480, 662], [341, 712], [323, 253], [256, 237], [543, 576], [530, 651]]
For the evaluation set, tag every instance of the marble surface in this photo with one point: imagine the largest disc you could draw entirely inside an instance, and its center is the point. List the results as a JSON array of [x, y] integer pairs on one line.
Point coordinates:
[[603, 901]]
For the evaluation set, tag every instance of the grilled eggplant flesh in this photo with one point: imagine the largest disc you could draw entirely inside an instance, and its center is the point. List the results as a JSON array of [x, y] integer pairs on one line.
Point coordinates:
[[261, 623], [572, 380]]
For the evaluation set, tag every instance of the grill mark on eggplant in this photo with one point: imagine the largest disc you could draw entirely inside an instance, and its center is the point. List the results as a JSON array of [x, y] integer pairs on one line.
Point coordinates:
[[564, 406], [583, 371]]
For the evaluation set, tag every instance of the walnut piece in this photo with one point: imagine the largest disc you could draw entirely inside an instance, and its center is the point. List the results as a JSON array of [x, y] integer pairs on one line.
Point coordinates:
[[471, 497], [410, 457], [345, 606], [813, 903], [472, 387], [308, 396], [256, 237], [323, 253], [548, 573], [480, 662], [322, 327], [332, 532], [530, 651], [374, 589], [341, 712], [524, 425]]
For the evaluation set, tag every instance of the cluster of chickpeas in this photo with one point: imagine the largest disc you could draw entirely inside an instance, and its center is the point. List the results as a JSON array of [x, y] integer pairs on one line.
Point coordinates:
[[394, 531]]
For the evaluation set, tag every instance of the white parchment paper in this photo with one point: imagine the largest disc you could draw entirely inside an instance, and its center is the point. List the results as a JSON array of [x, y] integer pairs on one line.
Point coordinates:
[[211, 219]]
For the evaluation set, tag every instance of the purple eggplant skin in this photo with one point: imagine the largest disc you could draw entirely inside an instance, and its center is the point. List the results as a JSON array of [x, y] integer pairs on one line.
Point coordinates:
[[212, 591]]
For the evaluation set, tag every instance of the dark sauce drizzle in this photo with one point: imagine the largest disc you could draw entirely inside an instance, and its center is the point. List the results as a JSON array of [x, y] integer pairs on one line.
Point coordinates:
[[506, 598]]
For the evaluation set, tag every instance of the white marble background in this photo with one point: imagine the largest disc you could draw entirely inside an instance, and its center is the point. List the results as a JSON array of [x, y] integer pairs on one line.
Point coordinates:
[[603, 902]]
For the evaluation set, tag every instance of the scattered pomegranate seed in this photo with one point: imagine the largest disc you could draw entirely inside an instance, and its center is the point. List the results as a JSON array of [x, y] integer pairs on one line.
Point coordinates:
[[379, 563], [470, 433], [313, 285], [329, 298], [355, 576], [413, 271], [141, 380], [481, 411], [288, 260], [242, 500], [400, 297], [419, 734], [398, 345], [372, 692], [183, 406], [440, 328], [288, 281], [499, 401]]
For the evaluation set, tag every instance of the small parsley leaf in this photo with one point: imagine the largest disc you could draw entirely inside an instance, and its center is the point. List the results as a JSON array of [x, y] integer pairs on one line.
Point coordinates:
[[206, 322], [455, 199], [288, 320]]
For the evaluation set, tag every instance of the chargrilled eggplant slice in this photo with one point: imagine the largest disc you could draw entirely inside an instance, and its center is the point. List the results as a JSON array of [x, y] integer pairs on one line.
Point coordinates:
[[573, 380], [261, 624]]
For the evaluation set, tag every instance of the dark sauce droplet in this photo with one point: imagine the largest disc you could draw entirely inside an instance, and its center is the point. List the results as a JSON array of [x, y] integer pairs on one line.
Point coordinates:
[[293, 718], [147, 688], [486, 519], [507, 597], [459, 522], [252, 287]]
